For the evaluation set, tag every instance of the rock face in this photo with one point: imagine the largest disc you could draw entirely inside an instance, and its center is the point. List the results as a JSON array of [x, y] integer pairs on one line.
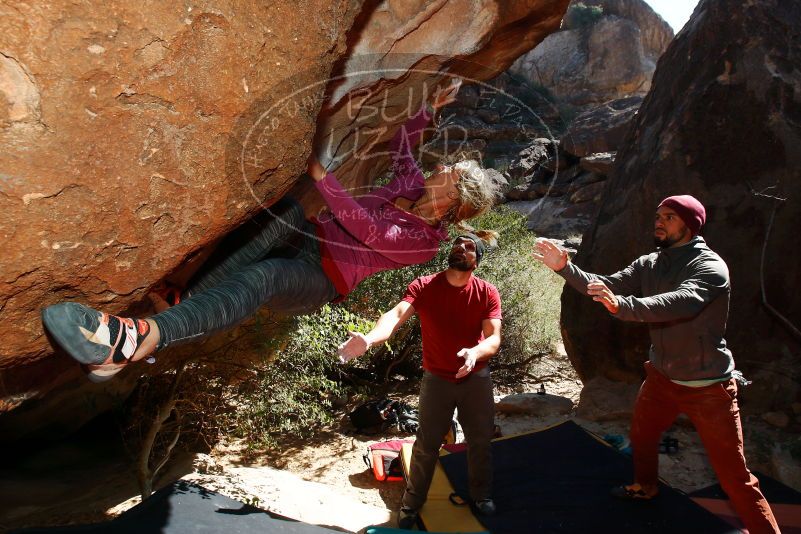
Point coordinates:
[[612, 57], [602, 128], [493, 122], [605, 400], [133, 139], [534, 404], [115, 123], [600, 162], [655, 33], [723, 118], [585, 157]]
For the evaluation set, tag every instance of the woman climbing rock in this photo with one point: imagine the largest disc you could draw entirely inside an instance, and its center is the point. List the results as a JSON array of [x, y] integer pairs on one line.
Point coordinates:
[[293, 264]]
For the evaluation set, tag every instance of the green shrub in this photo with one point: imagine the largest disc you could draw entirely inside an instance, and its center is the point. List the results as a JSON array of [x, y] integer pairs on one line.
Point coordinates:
[[580, 15], [292, 390]]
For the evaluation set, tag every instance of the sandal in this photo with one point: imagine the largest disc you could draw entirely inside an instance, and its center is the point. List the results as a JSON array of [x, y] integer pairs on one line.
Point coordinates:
[[632, 492]]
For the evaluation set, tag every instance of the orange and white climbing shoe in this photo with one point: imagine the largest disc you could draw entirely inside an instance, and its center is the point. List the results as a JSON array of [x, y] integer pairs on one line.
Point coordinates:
[[103, 344]]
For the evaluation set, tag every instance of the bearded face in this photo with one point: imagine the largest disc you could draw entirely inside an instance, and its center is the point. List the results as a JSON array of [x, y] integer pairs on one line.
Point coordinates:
[[669, 229], [463, 255]]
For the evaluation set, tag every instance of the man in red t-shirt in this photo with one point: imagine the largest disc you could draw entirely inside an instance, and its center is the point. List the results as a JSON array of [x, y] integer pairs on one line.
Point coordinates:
[[460, 318]]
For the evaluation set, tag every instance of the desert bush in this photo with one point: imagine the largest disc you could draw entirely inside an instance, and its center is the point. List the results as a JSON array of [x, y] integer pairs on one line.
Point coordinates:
[[529, 295], [580, 15], [293, 388]]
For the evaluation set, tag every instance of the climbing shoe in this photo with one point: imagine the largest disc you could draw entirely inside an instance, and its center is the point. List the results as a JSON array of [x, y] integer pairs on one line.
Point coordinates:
[[167, 292], [632, 492], [102, 343]]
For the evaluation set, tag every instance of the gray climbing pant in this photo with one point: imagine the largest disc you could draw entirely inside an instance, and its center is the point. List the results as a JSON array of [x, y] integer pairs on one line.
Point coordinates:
[[438, 398], [273, 260]]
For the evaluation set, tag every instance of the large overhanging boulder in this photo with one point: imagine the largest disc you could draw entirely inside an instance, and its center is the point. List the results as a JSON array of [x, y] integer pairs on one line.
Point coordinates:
[[114, 123], [134, 138], [722, 120]]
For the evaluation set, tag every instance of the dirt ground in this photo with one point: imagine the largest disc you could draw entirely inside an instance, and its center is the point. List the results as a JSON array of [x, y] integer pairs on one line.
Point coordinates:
[[322, 481]]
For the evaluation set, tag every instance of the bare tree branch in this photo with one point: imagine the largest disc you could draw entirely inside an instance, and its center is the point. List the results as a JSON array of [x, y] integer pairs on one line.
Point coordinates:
[[168, 451], [764, 193], [523, 363], [145, 475], [773, 311]]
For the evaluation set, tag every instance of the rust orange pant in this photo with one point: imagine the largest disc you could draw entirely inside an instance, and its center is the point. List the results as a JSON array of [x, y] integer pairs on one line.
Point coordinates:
[[715, 414]]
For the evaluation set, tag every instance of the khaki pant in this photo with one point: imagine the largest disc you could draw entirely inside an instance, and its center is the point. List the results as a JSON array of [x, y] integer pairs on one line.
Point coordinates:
[[438, 398]]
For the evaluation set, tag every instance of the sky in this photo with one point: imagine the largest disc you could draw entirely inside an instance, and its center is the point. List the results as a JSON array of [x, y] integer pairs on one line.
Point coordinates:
[[675, 12]]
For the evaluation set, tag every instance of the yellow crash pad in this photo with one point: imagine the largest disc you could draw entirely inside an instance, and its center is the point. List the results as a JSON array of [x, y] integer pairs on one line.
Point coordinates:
[[438, 513]]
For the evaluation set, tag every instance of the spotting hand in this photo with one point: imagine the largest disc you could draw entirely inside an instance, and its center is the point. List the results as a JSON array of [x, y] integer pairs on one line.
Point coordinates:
[[550, 254], [600, 293], [356, 345], [469, 356]]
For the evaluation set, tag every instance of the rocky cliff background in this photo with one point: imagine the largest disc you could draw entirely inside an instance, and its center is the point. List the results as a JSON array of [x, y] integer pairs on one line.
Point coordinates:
[[553, 122], [606, 49]]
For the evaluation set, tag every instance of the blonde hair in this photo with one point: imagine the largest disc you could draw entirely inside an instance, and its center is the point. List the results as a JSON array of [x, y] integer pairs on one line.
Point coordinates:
[[477, 191], [489, 237]]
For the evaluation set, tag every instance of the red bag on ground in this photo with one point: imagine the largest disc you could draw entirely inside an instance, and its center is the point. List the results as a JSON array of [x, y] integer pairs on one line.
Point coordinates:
[[384, 459]]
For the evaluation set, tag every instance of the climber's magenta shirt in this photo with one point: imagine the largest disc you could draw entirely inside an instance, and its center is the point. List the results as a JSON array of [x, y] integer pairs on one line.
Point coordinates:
[[365, 235]]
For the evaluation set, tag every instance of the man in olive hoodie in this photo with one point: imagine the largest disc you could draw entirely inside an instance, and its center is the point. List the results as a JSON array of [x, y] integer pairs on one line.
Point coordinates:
[[682, 292]]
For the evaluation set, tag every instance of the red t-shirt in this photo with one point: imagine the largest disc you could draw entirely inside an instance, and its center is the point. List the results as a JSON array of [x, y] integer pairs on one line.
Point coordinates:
[[450, 319]]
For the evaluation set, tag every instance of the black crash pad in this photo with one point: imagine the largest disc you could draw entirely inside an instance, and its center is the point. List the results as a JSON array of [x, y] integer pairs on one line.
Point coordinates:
[[186, 508], [558, 480]]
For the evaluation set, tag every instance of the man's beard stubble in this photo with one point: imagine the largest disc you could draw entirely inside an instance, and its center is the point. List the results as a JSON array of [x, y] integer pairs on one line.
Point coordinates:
[[460, 264], [667, 242]]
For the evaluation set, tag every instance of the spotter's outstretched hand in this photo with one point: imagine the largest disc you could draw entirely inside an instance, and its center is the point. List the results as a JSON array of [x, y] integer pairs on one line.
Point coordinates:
[[356, 345], [550, 254], [600, 293]]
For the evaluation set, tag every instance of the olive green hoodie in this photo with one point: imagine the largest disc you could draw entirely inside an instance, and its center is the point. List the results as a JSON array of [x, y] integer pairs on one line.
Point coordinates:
[[683, 295]]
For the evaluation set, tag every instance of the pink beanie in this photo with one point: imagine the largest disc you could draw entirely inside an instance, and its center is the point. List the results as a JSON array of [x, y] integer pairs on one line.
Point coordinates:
[[689, 209]]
